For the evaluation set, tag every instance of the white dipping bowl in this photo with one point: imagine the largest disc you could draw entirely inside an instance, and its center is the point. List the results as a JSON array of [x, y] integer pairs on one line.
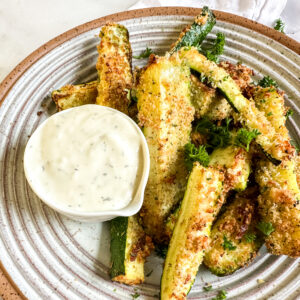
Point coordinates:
[[134, 205]]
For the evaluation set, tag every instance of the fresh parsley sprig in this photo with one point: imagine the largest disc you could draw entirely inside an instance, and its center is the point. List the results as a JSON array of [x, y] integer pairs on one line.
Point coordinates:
[[227, 244], [265, 227], [216, 49], [244, 137], [267, 81], [279, 25], [217, 136], [250, 237], [192, 154], [221, 295], [144, 54]]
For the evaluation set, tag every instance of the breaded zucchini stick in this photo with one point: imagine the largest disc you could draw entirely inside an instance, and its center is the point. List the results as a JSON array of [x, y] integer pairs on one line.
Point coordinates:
[[235, 240], [114, 67], [165, 114], [279, 203], [70, 96], [190, 238]]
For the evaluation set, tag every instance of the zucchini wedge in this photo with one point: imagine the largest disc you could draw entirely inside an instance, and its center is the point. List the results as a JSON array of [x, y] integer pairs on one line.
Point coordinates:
[[235, 240], [201, 202], [269, 101], [276, 148], [236, 162], [114, 67], [165, 114], [129, 247], [194, 35], [70, 96], [279, 206]]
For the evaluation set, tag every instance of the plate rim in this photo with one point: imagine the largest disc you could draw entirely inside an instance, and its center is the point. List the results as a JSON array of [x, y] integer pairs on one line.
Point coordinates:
[[10, 80]]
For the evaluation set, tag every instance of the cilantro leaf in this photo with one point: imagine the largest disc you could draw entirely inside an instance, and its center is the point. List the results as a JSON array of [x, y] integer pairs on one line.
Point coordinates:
[[267, 82], [192, 154], [216, 49], [265, 227], [279, 25], [145, 54], [249, 237], [245, 137], [228, 244], [289, 113], [217, 136], [221, 295]]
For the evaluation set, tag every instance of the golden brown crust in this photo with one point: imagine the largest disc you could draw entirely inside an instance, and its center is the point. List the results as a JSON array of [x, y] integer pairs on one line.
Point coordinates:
[[114, 67]]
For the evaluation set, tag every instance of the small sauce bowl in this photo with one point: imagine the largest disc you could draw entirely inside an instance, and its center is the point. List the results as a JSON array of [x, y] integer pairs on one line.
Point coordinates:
[[92, 216]]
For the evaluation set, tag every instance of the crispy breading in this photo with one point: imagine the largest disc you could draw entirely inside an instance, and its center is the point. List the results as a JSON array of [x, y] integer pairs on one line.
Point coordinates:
[[279, 204], [165, 113], [238, 220], [70, 96], [114, 67]]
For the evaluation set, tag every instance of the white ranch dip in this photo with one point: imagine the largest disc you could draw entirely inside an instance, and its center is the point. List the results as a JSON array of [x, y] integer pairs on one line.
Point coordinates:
[[85, 159]]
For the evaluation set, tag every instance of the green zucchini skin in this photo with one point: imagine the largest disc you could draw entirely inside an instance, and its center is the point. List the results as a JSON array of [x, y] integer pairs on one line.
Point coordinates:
[[118, 229], [197, 32]]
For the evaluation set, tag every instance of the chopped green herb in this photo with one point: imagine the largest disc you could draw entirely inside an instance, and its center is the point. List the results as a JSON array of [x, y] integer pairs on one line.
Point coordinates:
[[216, 49], [192, 154], [295, 144], [289, 113], [217, 136], [145, 54], [207, 288], [135, 295], [228, 244], [249, 237], [147, 275], [279, 25], [269, 114], [267, 82], [265, 227], [263, 100], [114, 290], [245, 137], [221, 295]]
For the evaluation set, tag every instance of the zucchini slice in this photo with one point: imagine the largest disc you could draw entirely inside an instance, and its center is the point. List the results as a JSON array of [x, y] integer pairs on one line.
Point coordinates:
[[114, 67], [129, 247], [166, 114], [235, 240], [194, 35], [279, 205], [275, 146], [201, 201], [75, 95]]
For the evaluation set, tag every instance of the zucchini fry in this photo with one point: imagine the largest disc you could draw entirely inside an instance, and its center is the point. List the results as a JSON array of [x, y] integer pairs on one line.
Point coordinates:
[[165, 113], [235, 240], [129, 247], [114, 67], [279, 204], [75, 95], [193, 35], [201, 202], [275, 147]]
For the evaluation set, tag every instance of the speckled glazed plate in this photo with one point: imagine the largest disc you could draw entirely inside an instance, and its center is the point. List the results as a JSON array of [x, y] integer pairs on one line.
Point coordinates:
[[49, 256]]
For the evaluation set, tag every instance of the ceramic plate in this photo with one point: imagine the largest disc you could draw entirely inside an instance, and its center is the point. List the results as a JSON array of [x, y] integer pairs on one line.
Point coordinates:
[[49, 256]]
